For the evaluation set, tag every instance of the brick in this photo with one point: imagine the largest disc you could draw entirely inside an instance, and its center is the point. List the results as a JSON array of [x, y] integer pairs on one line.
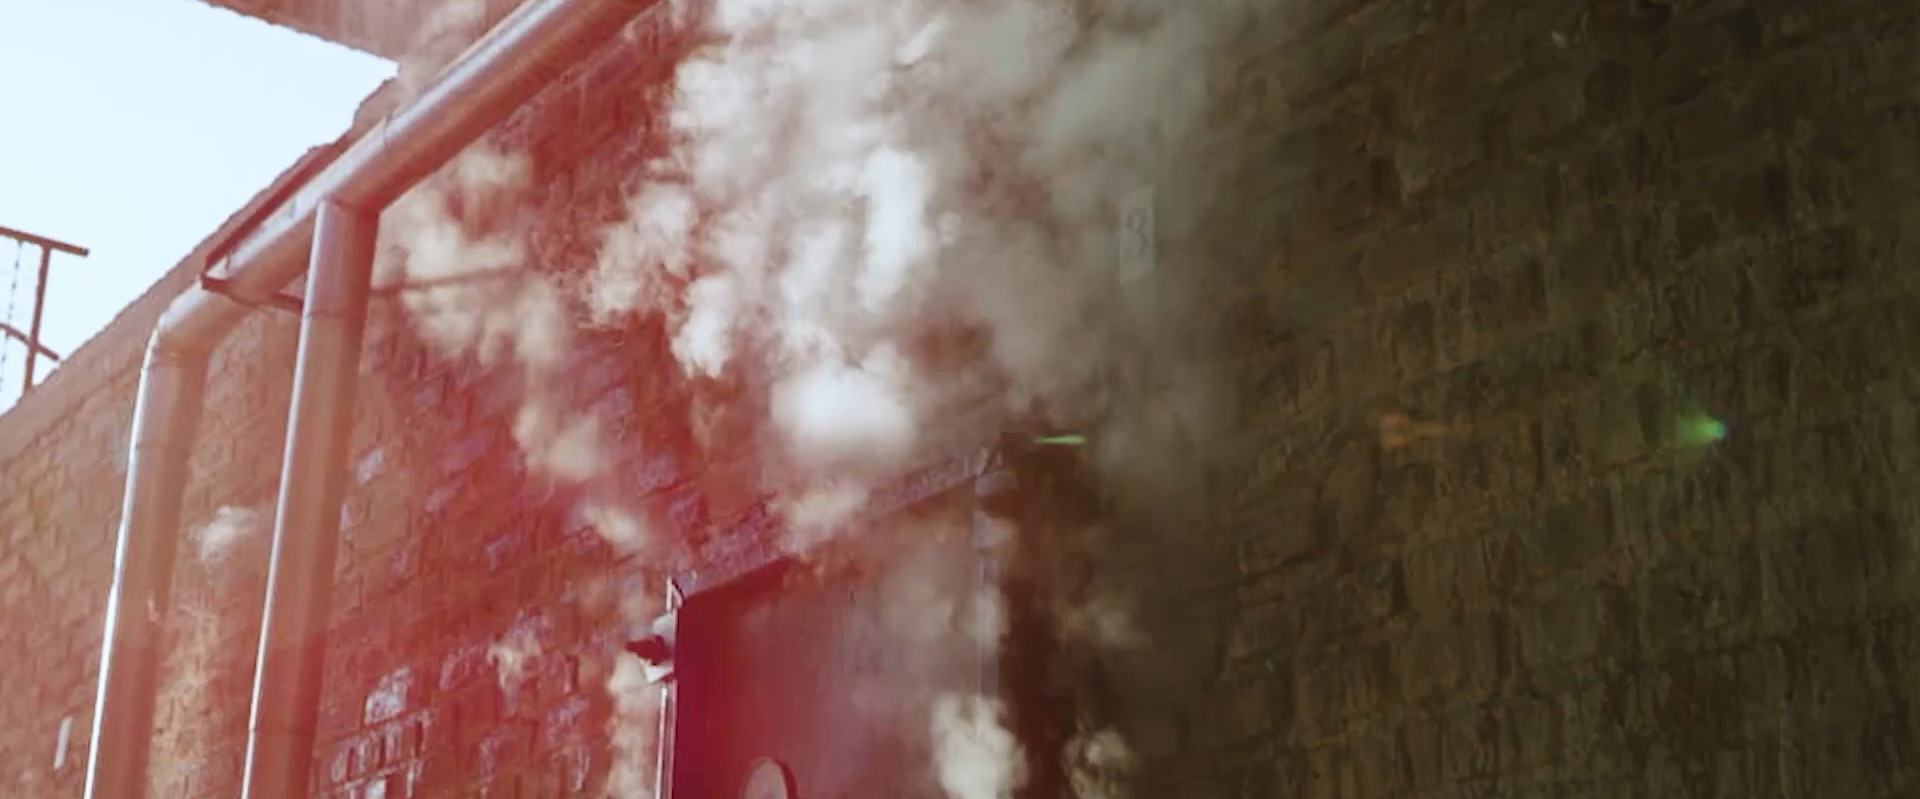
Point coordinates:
[[1571, 534], [1547, 106], [1469, 746], [505, 550], [1434, 153], [1410, 497], [367, 755], [1718, 200], [1448, 664], [384, 786], [1411, 338], [1619, 428], [1446, 579], [1334, 56], [1350, 686], [393, 695], [1567, 628], [1261, 629], [463, 666], [1694, 48], [1689, 609], [1489, 459], [340, 766]]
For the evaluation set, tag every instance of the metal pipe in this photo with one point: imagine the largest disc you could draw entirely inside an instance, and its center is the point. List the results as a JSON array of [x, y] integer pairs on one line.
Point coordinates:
[[495, 77], [286, 686], [499, 74], [39, 306], [165, 415]]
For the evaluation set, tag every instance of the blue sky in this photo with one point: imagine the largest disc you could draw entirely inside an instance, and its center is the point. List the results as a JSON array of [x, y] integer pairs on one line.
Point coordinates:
[[134, 128]]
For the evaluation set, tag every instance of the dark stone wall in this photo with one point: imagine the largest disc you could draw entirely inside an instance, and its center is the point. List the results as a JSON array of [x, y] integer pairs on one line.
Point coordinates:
[[1575, 369]]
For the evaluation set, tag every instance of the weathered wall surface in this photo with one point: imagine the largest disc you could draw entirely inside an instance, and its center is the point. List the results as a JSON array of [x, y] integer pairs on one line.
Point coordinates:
[[454, 561], [62, 464], [1562, 232], [1567, 231]]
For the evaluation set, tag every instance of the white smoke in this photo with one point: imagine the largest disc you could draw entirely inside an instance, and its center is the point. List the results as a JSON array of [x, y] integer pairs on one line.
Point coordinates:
[[847, 179], [816, 514], [1098, 764], [479, 295], [642, 254], [474, 295], [848, 176], [623, 529], [924, 614], [636, 711], [941, 621], [975, 755], [229, 527], [1102, 623], [844, 415], [565, 447]]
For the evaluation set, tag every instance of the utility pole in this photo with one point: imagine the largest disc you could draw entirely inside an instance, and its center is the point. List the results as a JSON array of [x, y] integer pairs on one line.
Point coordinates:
[[32, 337]]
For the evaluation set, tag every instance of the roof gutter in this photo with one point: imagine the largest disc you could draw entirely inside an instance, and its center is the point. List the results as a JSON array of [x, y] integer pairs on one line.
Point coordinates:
[[493, 79]]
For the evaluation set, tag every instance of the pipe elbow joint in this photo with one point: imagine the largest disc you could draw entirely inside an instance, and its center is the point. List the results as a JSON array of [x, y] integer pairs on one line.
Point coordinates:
[[191, 327]]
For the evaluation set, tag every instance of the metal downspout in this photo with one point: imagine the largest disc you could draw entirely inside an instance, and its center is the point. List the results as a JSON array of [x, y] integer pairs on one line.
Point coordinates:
[[494, 78], [165, 420], [286, 686]]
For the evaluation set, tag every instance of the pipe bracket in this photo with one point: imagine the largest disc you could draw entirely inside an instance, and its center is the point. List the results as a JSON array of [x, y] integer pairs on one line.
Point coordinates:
[[224, 288]]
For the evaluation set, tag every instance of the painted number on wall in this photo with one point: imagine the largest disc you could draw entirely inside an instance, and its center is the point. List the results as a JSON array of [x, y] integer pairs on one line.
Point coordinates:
[[1136, 234]]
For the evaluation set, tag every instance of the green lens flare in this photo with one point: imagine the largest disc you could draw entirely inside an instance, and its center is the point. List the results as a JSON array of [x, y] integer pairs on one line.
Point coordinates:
[[1701, 430], [1071, 440]]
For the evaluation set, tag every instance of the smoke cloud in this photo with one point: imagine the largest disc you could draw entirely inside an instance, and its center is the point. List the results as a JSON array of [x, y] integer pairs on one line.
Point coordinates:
[[851, 189], [229, 527], [636, 713], [479, 295], [851, 179], [976, 756], [1098, 764], [848, 180]]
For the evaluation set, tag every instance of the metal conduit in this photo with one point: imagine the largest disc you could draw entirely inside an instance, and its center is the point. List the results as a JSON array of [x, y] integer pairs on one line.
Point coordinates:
[[306, 525], [496, 76]]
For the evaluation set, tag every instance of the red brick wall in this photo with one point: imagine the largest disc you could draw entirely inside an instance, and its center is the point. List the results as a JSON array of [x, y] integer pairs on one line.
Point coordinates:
[[1555, 228], [63, 458]]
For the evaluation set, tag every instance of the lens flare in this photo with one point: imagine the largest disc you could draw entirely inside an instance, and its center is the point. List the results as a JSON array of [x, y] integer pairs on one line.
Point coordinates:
[[1699, 430]]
